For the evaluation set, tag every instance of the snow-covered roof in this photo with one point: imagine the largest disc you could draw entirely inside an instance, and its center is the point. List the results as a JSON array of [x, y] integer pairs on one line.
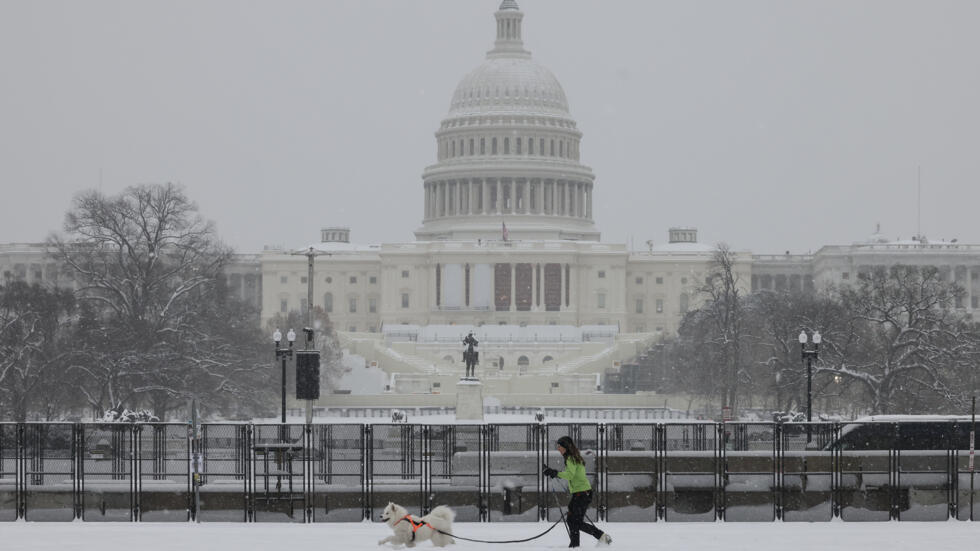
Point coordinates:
[[338, 247], [683, 248]]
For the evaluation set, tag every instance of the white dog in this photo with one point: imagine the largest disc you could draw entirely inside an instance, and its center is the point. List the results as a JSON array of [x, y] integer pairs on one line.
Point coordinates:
[[409, 529]]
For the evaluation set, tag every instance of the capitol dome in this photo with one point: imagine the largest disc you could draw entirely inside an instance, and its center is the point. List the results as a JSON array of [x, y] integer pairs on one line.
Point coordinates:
[[508, 153], [509, 84]]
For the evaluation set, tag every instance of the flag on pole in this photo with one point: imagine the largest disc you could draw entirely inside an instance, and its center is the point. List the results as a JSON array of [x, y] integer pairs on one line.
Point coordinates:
[[504, 230]]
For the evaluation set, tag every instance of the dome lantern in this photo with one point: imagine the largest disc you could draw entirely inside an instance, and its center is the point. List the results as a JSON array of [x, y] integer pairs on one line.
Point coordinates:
[[509, 39]]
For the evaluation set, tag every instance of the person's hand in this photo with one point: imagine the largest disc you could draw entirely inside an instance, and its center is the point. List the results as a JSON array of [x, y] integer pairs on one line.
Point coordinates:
[[549, 472]]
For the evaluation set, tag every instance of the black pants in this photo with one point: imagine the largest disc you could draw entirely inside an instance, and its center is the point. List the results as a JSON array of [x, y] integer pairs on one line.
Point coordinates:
[[576, 518]]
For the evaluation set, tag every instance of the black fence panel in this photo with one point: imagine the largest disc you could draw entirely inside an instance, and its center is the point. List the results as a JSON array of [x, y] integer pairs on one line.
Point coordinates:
[[338, 486], [692, 461], [50, 491], [10, 480], [456, 457], [164, 488], [106, 467], [396, 468], [866, 490], [279, 483], [225, 487], [806, 475], [631, 468], [748, 478], [515, 490]]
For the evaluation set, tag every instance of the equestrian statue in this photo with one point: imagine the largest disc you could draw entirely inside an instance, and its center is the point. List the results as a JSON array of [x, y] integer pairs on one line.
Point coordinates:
[[470, 355]]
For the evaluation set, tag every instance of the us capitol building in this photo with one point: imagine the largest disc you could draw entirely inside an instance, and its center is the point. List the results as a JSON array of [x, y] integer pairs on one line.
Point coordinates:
[[508, 248]]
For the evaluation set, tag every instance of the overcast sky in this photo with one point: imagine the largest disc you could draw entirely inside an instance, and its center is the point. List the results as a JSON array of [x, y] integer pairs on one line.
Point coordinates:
[[770, 125]]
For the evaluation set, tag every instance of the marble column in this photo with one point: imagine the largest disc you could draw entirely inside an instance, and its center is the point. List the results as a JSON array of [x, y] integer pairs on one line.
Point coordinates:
[[588, 202], [513, 286], [527, 197], [499, 207]]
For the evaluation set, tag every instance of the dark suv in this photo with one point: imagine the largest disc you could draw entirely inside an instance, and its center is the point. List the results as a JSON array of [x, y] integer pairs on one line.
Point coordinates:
[[905, 432]]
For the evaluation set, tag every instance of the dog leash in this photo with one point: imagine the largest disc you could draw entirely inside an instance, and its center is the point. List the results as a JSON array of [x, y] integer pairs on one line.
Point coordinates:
[[550, 528], [502, 541]]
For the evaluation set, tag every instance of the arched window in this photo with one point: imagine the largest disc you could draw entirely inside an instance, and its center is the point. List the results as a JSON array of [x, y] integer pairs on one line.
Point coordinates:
[[522, 364], [448, 359], [547, 359], [328, 303]]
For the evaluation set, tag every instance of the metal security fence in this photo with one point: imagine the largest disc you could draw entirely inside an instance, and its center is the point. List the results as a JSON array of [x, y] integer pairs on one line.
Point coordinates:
[[674, 472]]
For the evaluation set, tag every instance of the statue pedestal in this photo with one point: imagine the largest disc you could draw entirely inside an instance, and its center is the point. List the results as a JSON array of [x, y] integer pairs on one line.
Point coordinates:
[[469, 399]]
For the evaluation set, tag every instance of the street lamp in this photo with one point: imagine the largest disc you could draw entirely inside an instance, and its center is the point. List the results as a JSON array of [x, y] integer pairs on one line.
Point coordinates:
[[282, 354], [809, 355]]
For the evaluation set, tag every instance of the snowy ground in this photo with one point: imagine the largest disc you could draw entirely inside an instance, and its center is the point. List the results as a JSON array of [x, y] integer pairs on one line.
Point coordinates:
[[839, 536]]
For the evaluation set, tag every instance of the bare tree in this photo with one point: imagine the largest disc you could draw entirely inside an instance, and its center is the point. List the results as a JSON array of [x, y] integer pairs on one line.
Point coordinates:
[[911, 344], [34, 324], [149, 266], [724, 309]]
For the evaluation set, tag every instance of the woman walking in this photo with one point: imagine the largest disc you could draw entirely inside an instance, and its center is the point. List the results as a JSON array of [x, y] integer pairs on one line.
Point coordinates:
[[581, 490]]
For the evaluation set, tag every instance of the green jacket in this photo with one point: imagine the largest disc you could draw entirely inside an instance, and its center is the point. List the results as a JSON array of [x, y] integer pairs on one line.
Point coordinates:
[[574, 473]]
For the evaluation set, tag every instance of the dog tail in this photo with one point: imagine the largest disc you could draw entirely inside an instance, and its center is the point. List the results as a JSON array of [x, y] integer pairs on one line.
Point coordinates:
[[443, 512]]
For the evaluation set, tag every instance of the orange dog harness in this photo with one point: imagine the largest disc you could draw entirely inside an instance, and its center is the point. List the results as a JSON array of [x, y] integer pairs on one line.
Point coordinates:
[[415, 526]]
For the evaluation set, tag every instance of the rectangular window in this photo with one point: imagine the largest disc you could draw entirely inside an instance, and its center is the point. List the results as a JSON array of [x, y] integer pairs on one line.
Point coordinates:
[[353, 280], [660, 306], [483, 146], [302, 280], [639, 306], [373, 305], [284, 279], [519, 146], [600, 300], [352, 329], [552, 287], [506, 146], [501, 287], [404, 300], [602, 274], [373, 280], [404, 274], [974, 301], [639, 281], [845, 275], [283, 306], [530, 146], [353, 305], [683, 281], [523, 273], [660, 281]]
